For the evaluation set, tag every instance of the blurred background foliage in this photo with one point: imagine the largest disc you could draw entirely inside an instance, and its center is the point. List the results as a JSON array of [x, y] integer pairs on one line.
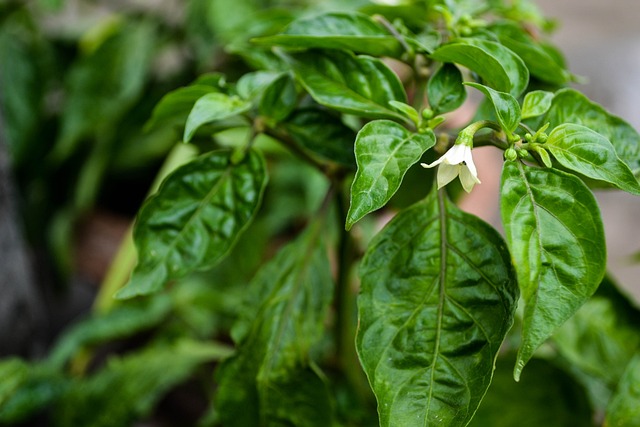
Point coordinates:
[[80, 81]]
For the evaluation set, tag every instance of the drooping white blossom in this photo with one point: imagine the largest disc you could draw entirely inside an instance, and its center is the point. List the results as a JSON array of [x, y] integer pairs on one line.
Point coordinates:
[[457, 161]]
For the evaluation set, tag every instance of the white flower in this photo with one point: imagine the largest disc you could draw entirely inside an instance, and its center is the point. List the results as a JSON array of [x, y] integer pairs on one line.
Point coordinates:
[[456, 162]]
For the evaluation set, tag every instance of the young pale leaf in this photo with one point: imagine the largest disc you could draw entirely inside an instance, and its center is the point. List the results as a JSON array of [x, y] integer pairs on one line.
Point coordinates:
[[445, 90], [438, 297], [536, 103], [540, 63], [582, 150], [623, 409], [570, 106], [194, 218], [338, 30], [175, 106], [287, 303], [279, 98], [541, 398], [251, 86], [212, 107], [506, 107], [498, 66], [322, 133], [358, 85], [555, 234], [384, 151]]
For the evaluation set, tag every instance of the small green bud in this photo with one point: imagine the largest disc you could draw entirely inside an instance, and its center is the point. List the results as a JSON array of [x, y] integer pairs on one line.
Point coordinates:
[[427, 113], [522, 153], [511, 154], [528, 137], [542, 138], [465, 31]]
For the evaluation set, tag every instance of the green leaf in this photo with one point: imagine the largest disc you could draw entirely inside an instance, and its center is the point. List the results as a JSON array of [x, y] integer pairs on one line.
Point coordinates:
[[438, 297], [26, 389], [384, 151], [175, 106], [279, 98], [251, 86], [323, 133], [194, 218], [128, 388], [545, 396], [338, 30], [582, 150], [555, 235], [103, 85], [407, 110], [286, 306], [623, 409], [570, 106], [506, 107], [498, 66], [445, 90], [358, 85], [212, 107], [123, 321], [540, 63], [536, 103], [603, 336]]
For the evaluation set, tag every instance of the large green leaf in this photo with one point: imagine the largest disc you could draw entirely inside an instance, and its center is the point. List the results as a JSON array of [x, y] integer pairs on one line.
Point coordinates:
[[323, 133], [338, 30], [555, 234], [286, 305], [570, 106], [384, 151], [506, 107], [128, 388], [624, 408], [193, 220], [603, 336], [545, 396], [212, 107], [358, 85], [438, 297], [498, 66], [540, 63], [445, 90], [587, 152]]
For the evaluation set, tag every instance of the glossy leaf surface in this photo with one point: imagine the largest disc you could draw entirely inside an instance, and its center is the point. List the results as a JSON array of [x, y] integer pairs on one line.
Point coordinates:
[[499, 67], [445, 90], [285, 308], [358, 85], [279, 98], [384, 151], [193, 220], [540, 63], [556, 238], [582, 150], [506, 107], [570, 106], [438, 296], [212, 107], [322, 133], [536, 103], [338, 30], [623, 409]]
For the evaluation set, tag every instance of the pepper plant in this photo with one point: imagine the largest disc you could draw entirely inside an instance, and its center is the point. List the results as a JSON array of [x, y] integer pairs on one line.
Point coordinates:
[[361, 101]]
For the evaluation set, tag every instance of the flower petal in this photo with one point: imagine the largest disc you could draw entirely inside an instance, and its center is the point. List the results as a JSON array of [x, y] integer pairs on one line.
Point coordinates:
[[457, 154], [446, 174], [468, 179]]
